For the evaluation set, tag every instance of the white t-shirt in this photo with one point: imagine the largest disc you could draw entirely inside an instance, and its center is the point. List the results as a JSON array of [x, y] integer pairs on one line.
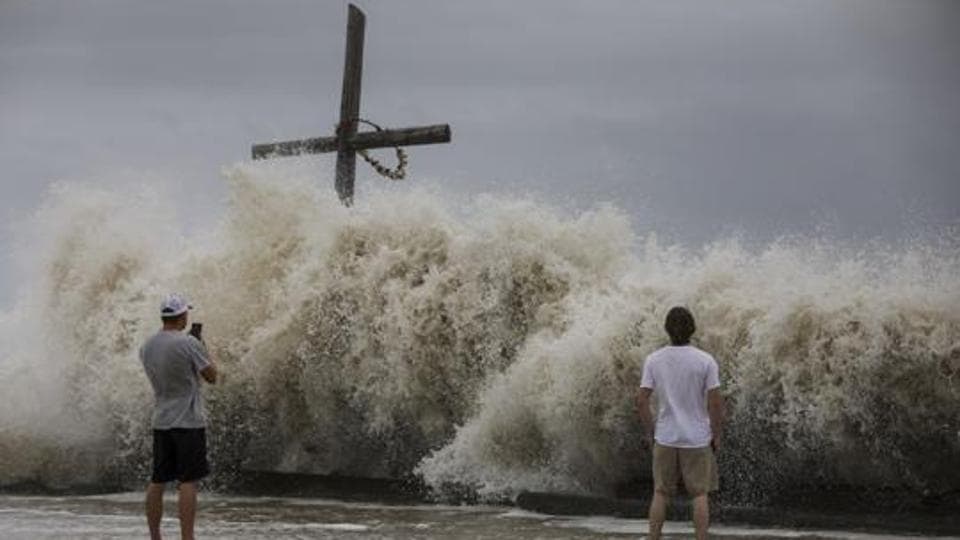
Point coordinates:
[[680, 378]]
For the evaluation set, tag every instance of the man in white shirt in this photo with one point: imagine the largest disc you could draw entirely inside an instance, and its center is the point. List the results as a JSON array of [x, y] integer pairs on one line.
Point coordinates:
[[688, 425]]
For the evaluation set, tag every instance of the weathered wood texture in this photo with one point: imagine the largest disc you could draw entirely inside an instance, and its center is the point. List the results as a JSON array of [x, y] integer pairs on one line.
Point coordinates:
[[361, 141], [350, 103], [347, 141]]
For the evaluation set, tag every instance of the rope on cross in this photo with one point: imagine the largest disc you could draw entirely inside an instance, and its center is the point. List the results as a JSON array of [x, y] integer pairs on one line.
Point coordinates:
[[347, 141]]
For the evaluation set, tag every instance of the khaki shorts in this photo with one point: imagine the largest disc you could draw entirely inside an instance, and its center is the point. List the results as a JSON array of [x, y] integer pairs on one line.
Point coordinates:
[[697, 467]]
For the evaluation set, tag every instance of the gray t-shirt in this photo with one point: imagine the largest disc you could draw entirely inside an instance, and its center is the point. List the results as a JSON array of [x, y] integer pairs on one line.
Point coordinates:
[[173, 361]]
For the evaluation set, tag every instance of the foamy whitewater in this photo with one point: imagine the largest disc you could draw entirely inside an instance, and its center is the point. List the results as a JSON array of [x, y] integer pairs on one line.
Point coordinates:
[[493, 346]]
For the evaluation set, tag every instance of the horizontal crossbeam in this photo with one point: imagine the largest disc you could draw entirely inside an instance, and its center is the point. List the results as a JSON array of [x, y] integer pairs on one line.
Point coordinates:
[[439, 133]]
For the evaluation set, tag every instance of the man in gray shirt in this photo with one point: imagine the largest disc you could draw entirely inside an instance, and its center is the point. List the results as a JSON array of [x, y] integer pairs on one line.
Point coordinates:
[[175, 362]]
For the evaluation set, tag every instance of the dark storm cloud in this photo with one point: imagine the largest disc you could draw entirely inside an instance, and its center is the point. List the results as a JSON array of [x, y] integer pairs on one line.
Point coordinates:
[[697, 116]]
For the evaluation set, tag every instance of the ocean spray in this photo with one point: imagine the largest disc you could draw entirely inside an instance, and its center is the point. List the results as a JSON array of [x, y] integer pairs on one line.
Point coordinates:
[[495, 345]]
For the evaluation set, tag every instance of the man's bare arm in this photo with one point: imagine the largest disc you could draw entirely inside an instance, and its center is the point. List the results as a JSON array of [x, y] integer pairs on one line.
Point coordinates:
[[210, 373], [717, 411], [643, 409]]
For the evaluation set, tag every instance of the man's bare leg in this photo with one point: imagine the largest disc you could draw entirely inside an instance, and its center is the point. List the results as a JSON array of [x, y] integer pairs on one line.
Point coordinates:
[[701, 515], [187, 502], [154, 508], [658, 513]]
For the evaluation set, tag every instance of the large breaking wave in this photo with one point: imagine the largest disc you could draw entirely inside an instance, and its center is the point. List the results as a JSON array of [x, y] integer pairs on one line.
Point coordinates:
[[493, 345]]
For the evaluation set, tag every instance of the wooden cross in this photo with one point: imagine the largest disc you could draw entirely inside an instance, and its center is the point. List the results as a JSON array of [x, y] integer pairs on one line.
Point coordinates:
[[347, 140]]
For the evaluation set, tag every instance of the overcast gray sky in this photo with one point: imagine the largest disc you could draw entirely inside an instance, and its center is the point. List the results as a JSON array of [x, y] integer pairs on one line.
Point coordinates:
[[698, 117]]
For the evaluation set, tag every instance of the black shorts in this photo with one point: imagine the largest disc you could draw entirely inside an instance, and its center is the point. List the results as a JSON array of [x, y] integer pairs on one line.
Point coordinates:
[[179, 454]]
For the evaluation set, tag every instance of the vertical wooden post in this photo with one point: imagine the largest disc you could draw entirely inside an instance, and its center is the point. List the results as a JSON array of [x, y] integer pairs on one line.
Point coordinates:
[[347, 141], [350, 104]]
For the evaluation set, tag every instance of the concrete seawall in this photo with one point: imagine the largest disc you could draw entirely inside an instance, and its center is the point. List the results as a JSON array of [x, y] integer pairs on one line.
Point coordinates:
[[938, 521], [803, 509], [837, 509]]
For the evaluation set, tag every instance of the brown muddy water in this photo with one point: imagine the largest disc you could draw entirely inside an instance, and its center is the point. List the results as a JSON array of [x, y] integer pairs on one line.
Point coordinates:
[[493, 345]]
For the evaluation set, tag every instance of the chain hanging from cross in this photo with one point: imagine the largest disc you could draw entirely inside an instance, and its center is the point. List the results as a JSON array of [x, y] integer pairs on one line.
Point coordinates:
[[393, 174], [347, 141]]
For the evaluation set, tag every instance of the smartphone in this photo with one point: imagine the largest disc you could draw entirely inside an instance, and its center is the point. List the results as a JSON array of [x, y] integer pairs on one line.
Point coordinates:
[[196, 330]]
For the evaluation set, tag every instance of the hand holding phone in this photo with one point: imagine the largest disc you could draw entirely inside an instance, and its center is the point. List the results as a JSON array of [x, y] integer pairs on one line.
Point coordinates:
[[196, 330]]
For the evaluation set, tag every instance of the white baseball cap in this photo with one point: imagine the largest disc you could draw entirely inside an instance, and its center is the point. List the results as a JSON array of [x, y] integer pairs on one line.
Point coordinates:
[[174, 305]]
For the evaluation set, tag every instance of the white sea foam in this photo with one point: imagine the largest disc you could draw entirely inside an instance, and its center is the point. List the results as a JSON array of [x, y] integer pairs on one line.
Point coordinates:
[[493, 345]]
